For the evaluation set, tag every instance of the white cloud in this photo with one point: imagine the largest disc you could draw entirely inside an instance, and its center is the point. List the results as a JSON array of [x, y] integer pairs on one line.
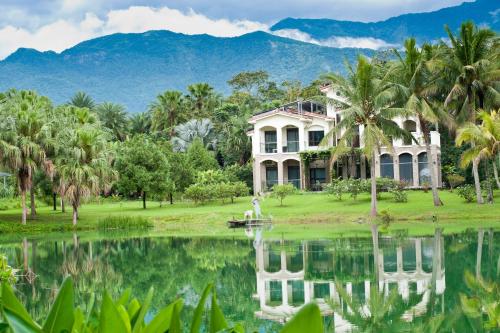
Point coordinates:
[[61, 34], [356, 42]]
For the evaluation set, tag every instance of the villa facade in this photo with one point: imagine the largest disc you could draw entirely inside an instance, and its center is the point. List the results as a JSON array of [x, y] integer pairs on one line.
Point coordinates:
[[281, 135]]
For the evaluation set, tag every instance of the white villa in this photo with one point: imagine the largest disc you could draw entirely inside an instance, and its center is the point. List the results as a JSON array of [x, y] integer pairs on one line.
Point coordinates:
[[280, 135]]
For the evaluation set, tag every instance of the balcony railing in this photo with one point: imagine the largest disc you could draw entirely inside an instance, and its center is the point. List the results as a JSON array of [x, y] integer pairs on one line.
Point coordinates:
[[294, 182], [291, 147], [267, 185], [269, 147]]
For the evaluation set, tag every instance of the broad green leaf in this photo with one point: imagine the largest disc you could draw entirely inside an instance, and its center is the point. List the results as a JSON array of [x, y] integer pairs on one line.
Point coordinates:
[[308, 319], [126, 319], [11, 303], [217, 320], [124, 297], [470, 306], [133, 309], [61, 314], [78, 324], [175, 326], [198, 312], [161, 322], [144, 309], [18, 324], [4, 327], [110, 320]]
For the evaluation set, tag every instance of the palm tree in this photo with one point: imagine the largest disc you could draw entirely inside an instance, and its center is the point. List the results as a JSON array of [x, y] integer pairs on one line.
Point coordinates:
[[82, 100], [167, 111], [235, 139], [114, 117], [417, 86], [202, 98], [140, 123], [84, 164], [189, 131], [474, 58], [485, 145], [369, 107], [23, 134]]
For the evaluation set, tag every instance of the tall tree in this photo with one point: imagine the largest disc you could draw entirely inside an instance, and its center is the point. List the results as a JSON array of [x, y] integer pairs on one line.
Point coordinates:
[[186, 133], [167, 111], [416, 85], [201, 159], [485, 145], [114, 117], [143, 168], [202, 98], [370, 105], [82, 100], [474, 60], [84, 164], [23, 137], [140, 123]]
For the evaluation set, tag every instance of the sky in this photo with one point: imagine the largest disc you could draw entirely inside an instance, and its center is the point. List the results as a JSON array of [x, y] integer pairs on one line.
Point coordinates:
[[59, 24]]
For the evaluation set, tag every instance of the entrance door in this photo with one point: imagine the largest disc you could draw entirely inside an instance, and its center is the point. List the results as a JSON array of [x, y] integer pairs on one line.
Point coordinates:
[[294, 175], [271, 177]]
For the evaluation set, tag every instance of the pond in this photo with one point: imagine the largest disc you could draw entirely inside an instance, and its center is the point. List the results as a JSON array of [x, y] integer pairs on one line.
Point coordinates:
[[260, 282]]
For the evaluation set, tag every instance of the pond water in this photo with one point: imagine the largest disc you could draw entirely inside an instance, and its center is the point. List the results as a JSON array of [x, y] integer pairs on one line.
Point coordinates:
[[260, 282]]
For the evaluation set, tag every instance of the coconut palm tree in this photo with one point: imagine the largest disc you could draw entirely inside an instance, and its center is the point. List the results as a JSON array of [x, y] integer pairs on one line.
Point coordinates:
[[474, 59], [203, 98], [417, 85], [140, 123], [82, 100], [114, 117], [23, 134], [84, 164], [167, 111], [369, 107], [485, 145]]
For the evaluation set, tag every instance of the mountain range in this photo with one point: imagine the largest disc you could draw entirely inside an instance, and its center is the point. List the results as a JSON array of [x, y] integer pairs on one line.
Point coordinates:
[[132, 69]]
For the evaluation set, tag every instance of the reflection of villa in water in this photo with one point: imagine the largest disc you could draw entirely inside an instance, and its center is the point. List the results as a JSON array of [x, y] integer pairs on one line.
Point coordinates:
[[291, 274]]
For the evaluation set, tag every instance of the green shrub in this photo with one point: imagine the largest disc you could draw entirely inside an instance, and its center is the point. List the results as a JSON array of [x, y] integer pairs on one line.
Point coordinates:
[[7, 273], [199, 193], [124, 222], [399, 192], [282, 191], [467, 192], [128, 314], [337, 188], [455, 180], [355, 187]]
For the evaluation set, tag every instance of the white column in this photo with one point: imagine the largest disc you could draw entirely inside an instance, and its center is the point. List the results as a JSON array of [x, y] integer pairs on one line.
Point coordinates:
[[395, 157], [367, 290], [283, 260], [399, 258], [302, 137], [403, 288], [307, 292], [280, 172], [415, 170], [418, 254], [279, 139], [284, 292]]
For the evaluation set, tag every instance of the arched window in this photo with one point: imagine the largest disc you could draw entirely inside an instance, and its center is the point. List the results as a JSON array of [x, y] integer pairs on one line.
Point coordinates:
[[410, 126], [406, 168], [386, 166], [424, 174]]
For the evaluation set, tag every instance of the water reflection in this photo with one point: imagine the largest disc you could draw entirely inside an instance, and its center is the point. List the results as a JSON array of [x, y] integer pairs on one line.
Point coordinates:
[[293, 273], [281, 275]]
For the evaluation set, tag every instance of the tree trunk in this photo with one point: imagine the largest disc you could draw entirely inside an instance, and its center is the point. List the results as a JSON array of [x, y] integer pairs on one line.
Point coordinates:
[[373, 211], [495, 173], [144, 200], [75, 214], [435, 194], [23, 204], [489, 197], [32, 199], [54, 201], [376, 251], [171, 197], [479, 254], [477, 183], [63, 207]]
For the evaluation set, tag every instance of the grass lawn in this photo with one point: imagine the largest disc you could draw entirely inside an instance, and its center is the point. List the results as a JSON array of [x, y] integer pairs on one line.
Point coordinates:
[[305, 215]]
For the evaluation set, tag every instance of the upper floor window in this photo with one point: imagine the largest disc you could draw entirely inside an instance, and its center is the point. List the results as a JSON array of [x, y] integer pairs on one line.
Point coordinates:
[[315, 137]]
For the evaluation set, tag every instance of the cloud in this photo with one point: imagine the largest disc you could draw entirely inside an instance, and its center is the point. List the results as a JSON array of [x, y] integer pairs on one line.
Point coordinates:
[[64, 33], [341, 42]]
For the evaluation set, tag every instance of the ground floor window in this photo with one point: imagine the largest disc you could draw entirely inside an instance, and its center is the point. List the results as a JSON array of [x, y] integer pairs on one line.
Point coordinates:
[[271, 177], [386, 166], [424, 174], [317, 176], [406, 168]]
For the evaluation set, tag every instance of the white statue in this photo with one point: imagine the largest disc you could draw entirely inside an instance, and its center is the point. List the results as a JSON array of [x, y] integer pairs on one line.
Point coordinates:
[[256, 207]]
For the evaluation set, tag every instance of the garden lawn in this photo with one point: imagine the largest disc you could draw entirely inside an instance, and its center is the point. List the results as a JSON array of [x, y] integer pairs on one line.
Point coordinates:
[[302, 215]]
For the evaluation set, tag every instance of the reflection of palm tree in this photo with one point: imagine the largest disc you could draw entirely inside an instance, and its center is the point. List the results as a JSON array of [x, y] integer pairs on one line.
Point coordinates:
[[479, 254]]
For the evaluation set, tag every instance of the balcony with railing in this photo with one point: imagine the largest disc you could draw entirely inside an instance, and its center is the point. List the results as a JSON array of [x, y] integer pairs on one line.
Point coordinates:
[[269, 147]]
